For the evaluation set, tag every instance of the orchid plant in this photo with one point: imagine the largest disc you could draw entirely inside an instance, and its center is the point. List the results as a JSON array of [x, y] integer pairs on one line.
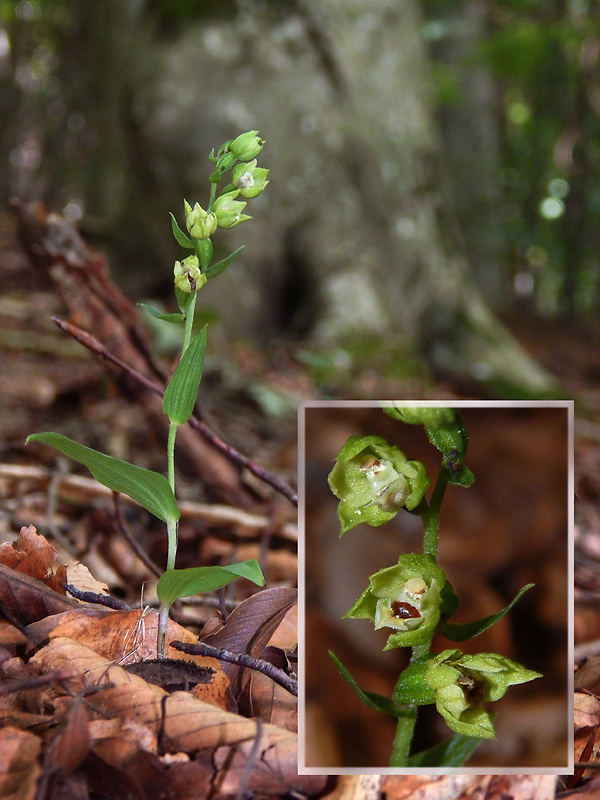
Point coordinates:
[[373, 480], [152, 490]]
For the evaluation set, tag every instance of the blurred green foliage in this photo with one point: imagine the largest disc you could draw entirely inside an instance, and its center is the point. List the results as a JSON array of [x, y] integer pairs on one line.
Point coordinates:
[[543, 57]]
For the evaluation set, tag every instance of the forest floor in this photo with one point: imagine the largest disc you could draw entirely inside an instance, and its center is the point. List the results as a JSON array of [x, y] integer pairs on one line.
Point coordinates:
[[78, 722]]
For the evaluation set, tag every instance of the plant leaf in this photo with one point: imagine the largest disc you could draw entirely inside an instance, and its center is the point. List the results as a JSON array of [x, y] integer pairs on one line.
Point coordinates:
[[182, 238], [183, 299], [154, 312], [177, 583], [150, 489], [180, 395], [221, 266], [376, 702], [460, 633], [453, 752]]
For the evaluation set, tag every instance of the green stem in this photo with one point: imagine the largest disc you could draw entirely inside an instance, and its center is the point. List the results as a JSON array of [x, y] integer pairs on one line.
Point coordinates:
[[189, 322], [163, 621], [213, 197], [171, 453], [431, 522], [405, 729], [172, 543]]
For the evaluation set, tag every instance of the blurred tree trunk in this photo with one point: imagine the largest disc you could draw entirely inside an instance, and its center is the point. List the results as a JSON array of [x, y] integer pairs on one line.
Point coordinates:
[[356, 234], [470, 130]]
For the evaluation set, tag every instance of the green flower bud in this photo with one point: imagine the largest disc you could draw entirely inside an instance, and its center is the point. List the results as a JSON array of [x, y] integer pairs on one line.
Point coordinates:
[[249, 179], [200, 223], [228, 210], [406, 598], [415, 415], [373, 480], [188, 276], [461, 683], [246, 146]]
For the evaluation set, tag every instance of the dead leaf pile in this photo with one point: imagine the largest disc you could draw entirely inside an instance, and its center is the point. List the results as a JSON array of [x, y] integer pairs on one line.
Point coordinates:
[[76, 720]]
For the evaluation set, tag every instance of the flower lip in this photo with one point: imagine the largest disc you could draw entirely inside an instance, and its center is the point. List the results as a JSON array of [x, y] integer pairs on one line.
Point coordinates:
[[402, 610]]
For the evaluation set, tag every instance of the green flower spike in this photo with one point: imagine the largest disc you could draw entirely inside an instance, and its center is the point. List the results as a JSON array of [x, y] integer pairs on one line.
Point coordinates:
[[373, 480], [200, 223], [461, 683], [405, 597], [228, 210], [249, 179], [188, 275]]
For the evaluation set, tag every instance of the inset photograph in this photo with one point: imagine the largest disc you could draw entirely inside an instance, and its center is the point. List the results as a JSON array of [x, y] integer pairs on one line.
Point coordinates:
[[436, 587]]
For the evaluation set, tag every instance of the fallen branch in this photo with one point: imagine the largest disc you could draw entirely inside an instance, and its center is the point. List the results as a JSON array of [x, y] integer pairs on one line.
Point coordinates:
[[241, 660]]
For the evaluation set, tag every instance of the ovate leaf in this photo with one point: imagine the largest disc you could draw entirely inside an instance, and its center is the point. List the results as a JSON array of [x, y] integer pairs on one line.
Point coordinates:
[[460, 633], [221, 266], [150, 489], [154, 312], [377, 702], [454, 752], [177, 583], [180, 395]]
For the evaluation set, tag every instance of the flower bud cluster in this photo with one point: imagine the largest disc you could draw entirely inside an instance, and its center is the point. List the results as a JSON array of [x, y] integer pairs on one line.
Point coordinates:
[[224, 211]]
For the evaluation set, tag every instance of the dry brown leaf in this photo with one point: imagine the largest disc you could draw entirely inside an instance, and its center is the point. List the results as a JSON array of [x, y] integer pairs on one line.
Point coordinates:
[[249, 628], [586, 710], [426, 787], [70, 745], [465, 787], [128, 637], [356, 787], [272, 703], [19, 768], [184, 724], [588, 676], [31, 553], [286, 635], [24, 599], [78, 575]]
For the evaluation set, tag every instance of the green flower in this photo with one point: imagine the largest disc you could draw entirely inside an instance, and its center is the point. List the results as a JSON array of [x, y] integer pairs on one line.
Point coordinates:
[[228, 210], [188, 276], [461, 683], [416, 415], [200, 223], [246, 146], [406, 598], [249, 179], [373, 480]]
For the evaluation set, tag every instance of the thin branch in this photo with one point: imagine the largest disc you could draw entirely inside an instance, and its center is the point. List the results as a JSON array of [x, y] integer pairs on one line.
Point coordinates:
[[241, 660], [89, 341], [34, 682], [95, 597], [241, 792]]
